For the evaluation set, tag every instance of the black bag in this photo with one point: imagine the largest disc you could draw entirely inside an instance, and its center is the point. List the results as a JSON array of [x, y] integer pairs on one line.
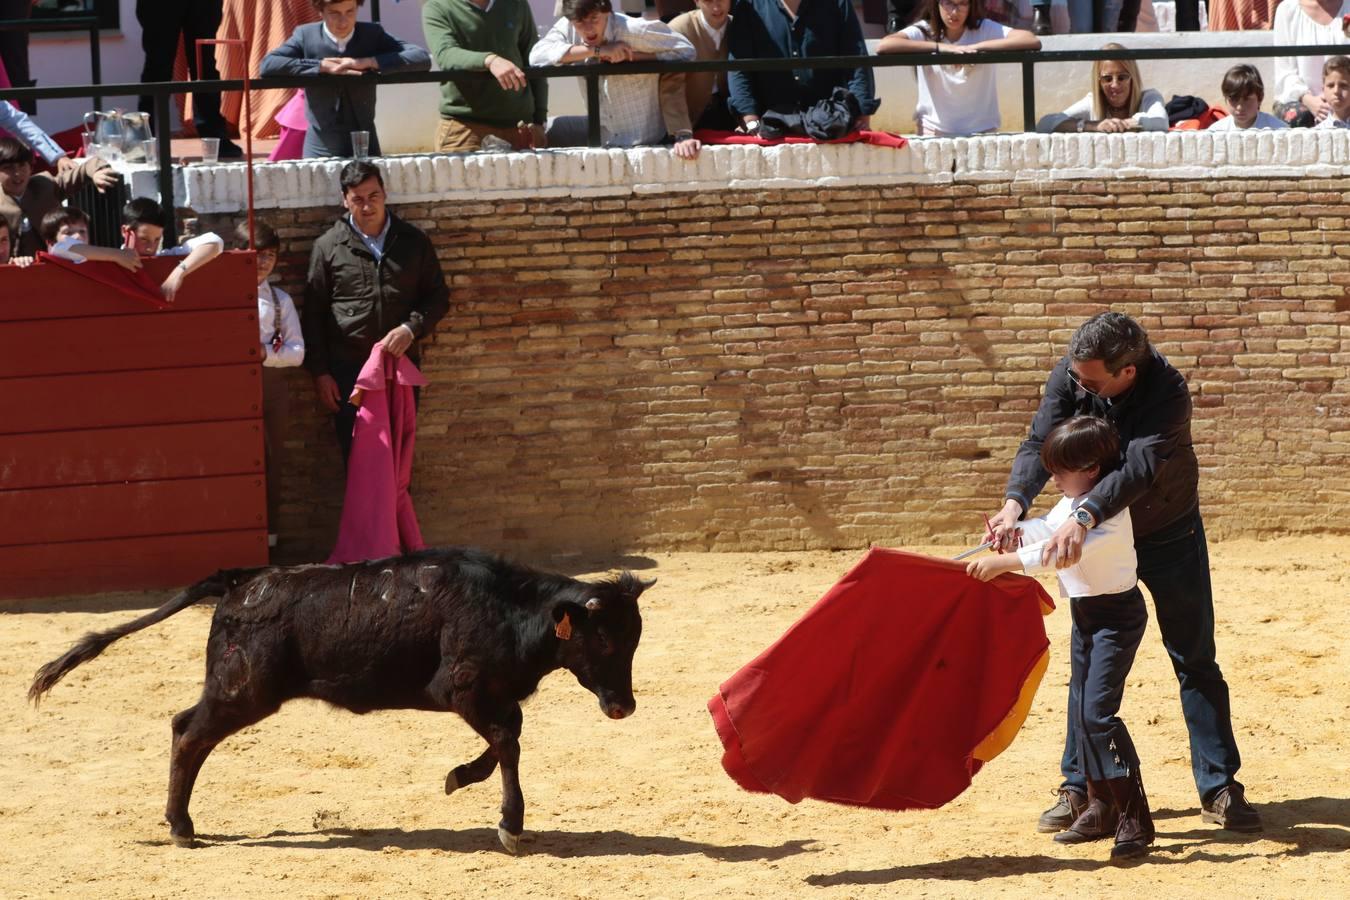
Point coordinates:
[[1180, 108], [826, 120]]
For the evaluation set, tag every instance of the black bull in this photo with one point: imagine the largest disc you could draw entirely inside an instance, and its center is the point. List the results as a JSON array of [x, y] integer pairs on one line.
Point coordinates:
[[438, 630]]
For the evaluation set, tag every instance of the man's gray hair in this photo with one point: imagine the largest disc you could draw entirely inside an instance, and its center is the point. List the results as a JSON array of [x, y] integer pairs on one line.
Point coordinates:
[[1112, 337]]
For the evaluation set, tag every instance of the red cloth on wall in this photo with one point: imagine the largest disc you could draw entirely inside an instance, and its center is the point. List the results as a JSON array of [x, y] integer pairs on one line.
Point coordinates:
[[136, 285], [378, 519], [892, 690]]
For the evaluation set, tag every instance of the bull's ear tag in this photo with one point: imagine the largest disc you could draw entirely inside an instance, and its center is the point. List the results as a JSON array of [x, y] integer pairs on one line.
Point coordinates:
[[564, 628]]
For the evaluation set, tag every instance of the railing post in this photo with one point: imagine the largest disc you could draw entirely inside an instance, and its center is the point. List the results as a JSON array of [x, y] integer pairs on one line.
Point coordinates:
[[165, 141], [374, 10], [592, 109], [95, 64], [1028, 95]]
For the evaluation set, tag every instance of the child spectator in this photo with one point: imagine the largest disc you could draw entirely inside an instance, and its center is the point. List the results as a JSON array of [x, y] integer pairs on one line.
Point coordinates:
[[1117, 102], [17, 123], [962, 99], [283, 347], [340, 45], [5, 242], [1300, 23], [143, 223], [1336, 92], [631, 112], [493, 36], [25, 198], [700, 96], [1244, 91], [1108, 615]]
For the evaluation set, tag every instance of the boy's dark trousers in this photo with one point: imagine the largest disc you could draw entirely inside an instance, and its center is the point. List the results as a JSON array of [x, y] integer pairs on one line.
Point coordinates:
[[1106, 633], [162, 21], [344, 420], [1174, 566]]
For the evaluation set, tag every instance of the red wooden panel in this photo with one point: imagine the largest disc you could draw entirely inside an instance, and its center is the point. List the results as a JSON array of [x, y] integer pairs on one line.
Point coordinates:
[[49, 292], [161, 340], [96, 512], [109, 399], [151, 453], [168, 561]]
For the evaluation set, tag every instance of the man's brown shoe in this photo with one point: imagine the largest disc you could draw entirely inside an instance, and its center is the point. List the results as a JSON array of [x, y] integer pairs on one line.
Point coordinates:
[[1229, 809], [1099, 820], [1068, 806]]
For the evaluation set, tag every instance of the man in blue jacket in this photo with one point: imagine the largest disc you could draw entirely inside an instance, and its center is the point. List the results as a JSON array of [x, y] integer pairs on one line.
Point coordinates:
[[340, 45], [1112, 371]]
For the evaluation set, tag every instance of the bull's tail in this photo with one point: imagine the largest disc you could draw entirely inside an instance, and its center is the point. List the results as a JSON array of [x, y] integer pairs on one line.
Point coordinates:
[[94, 643]]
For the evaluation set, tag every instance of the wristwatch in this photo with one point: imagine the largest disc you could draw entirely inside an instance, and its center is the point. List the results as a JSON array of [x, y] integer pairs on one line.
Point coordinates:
[[1083, 517]]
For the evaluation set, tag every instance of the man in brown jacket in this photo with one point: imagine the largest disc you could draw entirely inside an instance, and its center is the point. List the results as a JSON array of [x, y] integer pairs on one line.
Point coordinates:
[[25, 198], [705, 93]]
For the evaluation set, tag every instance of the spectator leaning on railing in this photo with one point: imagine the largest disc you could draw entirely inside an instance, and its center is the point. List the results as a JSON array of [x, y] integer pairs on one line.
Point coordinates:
[[493, 36], [957, 99], [1243, 90], [1117, 102], [631, 112], [1298, 79], [340, 45], [796, 29], [25, 198], [701, 96]]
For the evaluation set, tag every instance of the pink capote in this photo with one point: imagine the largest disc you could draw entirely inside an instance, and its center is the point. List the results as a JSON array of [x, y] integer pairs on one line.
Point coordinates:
[[291, 118], [377, 514]]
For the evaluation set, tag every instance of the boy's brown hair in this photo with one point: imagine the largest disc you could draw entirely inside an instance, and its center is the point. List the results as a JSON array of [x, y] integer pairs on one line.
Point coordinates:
[[59, 218], [320, 5], [1338, 64], [264, 237], [1079, 443], [13, 151], [1242, 81]]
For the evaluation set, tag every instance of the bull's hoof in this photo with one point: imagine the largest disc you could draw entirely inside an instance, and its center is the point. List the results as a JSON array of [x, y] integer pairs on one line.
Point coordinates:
[[451, 782], [510, 842], [183, 840]]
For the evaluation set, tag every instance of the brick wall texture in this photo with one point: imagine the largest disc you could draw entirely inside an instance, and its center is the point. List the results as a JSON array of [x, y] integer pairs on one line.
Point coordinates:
[[832, 368]]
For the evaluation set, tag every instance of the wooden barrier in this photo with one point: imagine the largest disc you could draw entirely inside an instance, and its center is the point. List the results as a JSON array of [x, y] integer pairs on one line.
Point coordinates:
[[131, 449]]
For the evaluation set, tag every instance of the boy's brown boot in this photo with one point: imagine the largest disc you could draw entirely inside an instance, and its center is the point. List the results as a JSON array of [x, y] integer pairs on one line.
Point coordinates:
[[1097, 820], [1134, 832], [1069, 805]]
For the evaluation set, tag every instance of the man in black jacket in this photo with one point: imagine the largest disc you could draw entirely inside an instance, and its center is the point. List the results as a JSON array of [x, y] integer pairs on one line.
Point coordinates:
[[373, 279], [1112, 371]]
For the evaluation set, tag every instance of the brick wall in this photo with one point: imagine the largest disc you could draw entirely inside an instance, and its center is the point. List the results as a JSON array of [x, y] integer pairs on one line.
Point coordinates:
[[832, 367]]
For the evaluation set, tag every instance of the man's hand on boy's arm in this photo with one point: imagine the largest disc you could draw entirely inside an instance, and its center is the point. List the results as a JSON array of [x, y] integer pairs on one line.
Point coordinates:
[[1065, 546], [1004, 525], [988, 567]]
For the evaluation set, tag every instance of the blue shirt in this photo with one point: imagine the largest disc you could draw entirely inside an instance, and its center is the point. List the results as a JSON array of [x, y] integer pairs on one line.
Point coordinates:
[[17, 123], [374, 244], [762, 29]]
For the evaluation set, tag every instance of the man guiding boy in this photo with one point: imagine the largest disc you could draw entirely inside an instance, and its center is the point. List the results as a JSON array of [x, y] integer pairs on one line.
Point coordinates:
[[1111, 371]]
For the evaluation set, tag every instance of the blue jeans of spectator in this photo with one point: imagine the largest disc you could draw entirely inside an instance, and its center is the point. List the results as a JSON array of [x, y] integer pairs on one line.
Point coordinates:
[[1089, 16], [1174, 566], [1106, 634]]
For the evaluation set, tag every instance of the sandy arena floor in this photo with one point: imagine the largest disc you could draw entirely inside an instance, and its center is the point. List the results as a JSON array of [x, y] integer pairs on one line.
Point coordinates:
[[319, 803]]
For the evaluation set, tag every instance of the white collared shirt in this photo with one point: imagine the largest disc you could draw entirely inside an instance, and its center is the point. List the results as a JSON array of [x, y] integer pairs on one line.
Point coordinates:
[[1108, 564], [277, 318], [630, 105], [341, 42]]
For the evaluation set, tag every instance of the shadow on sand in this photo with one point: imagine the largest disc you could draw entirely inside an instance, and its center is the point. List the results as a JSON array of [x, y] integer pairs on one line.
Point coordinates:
[[1297, 828]]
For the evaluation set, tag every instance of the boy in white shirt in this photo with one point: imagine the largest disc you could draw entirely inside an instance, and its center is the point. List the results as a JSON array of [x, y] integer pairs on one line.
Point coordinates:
[[1108, 621], [1336, 92], [283, 348], [1243, 89]]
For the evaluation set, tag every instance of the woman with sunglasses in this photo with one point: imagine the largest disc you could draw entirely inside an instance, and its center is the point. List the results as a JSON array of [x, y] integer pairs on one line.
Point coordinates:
[[1116, 103], [961, 99]]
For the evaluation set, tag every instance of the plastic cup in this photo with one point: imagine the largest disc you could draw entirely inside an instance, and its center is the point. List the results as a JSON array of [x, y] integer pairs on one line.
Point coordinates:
[[360, 144], [86, 144], [151, 149], [210, 150]]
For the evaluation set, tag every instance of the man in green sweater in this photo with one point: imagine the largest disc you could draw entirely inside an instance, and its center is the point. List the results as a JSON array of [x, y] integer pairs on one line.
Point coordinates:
[[493, 36]]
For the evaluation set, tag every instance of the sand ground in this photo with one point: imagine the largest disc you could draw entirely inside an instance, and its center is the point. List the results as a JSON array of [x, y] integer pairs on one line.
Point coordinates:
[[316, 802]]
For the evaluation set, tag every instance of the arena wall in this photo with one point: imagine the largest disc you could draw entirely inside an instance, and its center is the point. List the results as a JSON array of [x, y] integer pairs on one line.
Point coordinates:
[[815, 347]]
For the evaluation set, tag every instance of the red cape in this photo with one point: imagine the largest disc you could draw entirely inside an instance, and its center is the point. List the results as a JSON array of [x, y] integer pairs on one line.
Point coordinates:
[[136, 285], [877, 138], [892, 690]]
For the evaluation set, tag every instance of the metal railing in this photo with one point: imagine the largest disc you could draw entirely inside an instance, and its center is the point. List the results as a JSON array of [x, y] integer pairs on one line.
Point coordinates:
[[591, 73], [74, 23]]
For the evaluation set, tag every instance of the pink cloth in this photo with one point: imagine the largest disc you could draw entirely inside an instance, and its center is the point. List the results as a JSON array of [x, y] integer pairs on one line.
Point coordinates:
[[291, 118], [377, 515]]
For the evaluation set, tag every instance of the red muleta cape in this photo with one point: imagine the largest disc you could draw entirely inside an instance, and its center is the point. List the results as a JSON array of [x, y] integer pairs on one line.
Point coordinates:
[[378, 519], [892, 690]]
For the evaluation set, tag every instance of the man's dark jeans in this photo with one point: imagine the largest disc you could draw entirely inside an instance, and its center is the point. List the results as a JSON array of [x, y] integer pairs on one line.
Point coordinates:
[[1174, 566], [344, 420]]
